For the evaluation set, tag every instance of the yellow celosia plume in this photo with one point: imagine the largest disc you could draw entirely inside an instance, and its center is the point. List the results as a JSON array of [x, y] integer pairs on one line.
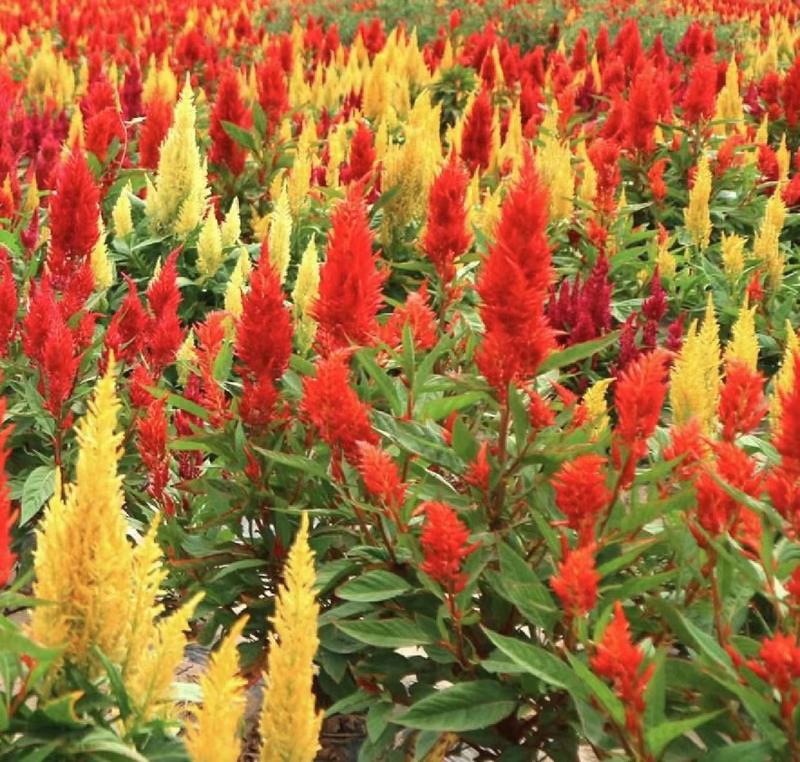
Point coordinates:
[[100, 261], [122, 213], [290, 724], [214, 735], [304, 295], [743, 344], [83, 559], [176, 202], [766, 246], [733, 255], [783, 380], [102, 593], [695, 376], [280, 235], [209, 246], [696, 215]]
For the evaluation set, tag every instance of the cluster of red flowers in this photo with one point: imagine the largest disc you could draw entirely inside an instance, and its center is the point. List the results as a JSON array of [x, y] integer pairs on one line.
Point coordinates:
[[513, 285], [445, 545]]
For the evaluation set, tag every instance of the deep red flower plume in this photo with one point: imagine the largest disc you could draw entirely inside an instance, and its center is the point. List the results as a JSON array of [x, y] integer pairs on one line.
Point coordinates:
[[263, 354], [476, 138], [445, 545], [74, 211], [334, 409], [513, 285], [350, 286], [446, 235]]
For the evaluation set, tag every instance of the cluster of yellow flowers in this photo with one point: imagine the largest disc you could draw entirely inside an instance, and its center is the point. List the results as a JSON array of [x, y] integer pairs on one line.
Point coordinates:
[[101, 595]]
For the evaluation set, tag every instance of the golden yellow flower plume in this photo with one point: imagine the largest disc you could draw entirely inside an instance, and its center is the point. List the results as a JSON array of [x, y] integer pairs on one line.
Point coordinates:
[[695, 377], [176, 202], [102, 593], [83, 559], [290, 724], [696, 215], [214, 734]]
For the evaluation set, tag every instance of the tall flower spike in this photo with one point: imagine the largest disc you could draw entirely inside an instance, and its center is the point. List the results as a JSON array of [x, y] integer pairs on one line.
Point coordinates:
[[350, 286], [213, 736], [696, 215], [209, 246], [576, 581], [333, 407], [74, 211], [290, 724], [305, 295], [177, 201], [445, 544], [581, 493], [695, 377], [446, 235], [82, 559], [620, 661], [743, 344], [122, 214], [280, 235], [638, 399], [784, 378], [513, 285], [7, 557], [264, 355]]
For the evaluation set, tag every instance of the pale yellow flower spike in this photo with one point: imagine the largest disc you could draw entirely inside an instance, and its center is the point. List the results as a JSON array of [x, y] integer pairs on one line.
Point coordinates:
[[209, 246], [743, 344], [290, 724], [784, 378], [594, 402], [148, 574], [122, 214], [83, 559], [176, 202], [766, 246], [235, 288], [733, 255], [101, 263], [280, 235], [231, 228], [695, 378], [214, 734], [150, 681], [696, 216], [304, 295]]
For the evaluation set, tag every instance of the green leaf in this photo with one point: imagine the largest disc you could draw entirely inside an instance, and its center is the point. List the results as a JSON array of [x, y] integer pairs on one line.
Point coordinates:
[[245, 563], [461, 707], [522, 587], [242, 136], [748, 751], [437, 409], [577, 352], [103, 744], [382, 380], [386, 633], [378, 585], [659, 737], [61, 710], [540, 663], [36, 491], [297, 462]]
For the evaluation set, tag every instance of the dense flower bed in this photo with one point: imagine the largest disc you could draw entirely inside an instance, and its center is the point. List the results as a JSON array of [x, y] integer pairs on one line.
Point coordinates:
[[492, 306]]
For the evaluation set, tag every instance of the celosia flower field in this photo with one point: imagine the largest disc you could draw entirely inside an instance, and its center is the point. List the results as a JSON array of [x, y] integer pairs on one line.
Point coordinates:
[[432, 363]]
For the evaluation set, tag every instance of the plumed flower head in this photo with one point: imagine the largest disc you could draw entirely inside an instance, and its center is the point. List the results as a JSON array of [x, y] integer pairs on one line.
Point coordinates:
[[513, 285], [350, 287], [445, 544], [74, 211]]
